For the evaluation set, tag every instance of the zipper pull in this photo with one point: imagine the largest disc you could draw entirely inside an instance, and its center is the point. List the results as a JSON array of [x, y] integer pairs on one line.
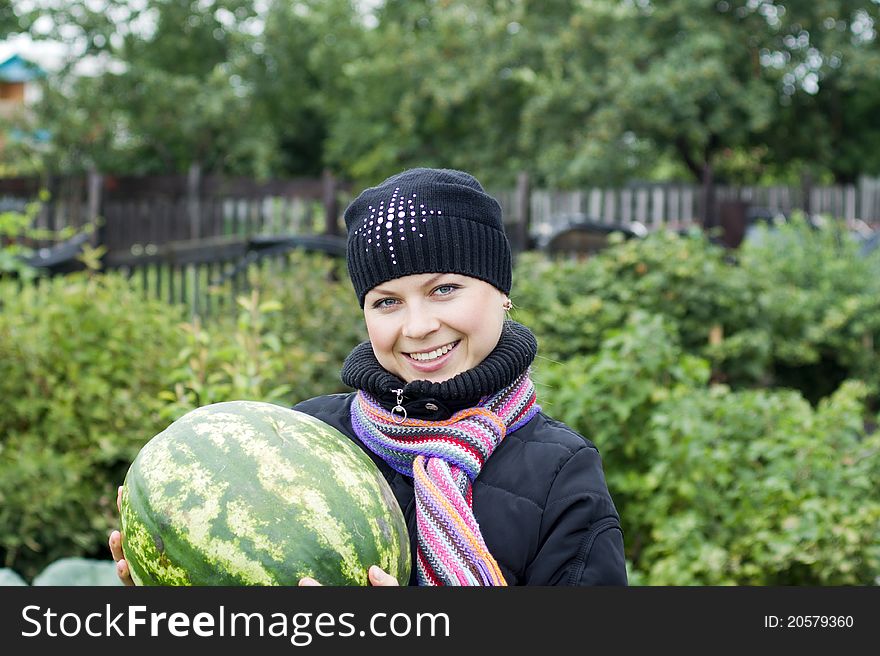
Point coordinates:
[[398, 408]]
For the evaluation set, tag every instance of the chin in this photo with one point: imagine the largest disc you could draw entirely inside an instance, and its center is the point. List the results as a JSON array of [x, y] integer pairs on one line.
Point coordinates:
[[437, 379], [438, 376], [433, 377]]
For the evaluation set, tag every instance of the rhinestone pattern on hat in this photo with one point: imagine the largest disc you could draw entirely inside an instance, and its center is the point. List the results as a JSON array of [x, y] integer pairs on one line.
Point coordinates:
[[392, 223]]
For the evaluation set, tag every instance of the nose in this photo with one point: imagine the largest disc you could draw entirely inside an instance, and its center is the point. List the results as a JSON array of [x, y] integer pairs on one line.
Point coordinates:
[[419, 323]]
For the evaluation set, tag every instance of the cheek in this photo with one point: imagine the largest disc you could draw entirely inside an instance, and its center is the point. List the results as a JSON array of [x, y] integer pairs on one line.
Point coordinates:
[[483, 335], [379, 334], [383, 337]]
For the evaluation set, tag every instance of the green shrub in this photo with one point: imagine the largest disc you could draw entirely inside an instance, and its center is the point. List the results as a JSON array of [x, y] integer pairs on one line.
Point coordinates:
[[317, 324], [822, 301], [758, 488], [90, 370], [719, 487], [286, 343], [610, 396], [15, 232], [716, 484], [571, 303], [799, 308], [82, 361]]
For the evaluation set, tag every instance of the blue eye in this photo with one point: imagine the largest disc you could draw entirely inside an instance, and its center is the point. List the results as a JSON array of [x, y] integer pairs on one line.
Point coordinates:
[[383, 303], [445, 290]]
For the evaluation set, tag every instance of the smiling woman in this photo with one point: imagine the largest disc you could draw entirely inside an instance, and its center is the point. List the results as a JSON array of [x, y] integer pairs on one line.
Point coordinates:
[[494, 492], [433, 326]]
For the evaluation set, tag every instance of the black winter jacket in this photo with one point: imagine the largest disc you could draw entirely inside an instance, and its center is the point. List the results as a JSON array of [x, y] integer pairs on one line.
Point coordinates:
[[541, 502]]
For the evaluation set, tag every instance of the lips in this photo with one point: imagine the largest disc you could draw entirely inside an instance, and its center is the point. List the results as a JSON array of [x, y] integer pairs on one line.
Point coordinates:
[[431, 360], [432, 354]]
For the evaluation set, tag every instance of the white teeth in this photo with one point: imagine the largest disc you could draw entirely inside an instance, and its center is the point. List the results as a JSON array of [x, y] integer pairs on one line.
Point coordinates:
[[432, 355]]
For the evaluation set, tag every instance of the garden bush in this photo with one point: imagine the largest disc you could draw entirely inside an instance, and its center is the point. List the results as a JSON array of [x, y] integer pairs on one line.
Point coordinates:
[[570, 303], [822, 298], [82, 361], [715, 486], [285, 343], [609, 396], [798, 308], [742, 482], [90, 370], [759, 488]]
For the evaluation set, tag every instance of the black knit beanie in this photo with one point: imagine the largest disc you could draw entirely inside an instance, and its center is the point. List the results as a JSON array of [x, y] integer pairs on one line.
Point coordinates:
[[426, 221]]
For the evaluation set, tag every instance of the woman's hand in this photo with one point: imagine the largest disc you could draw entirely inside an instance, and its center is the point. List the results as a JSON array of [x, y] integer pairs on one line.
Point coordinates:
[[376, 575], [116, 548]]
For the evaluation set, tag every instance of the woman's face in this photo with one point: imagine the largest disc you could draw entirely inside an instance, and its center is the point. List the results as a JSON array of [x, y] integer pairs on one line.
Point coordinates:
[[432, 326]]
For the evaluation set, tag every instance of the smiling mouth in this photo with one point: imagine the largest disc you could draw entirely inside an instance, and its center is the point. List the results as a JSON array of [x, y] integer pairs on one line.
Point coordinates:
[[428, 356]]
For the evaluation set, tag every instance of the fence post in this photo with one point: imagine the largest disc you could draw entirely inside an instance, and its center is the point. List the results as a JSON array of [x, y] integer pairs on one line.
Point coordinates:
[[708, 199], [733, 213], [193, 185], [807, 191], [93, 195], [523, 212], [43, 219], [331, 207], [95, 184]]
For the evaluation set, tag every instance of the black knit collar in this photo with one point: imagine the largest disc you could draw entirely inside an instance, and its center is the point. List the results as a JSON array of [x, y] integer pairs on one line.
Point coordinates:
[[514, 353]]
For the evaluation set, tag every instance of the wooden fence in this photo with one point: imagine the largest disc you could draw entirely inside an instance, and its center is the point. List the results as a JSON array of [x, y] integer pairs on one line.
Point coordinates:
[[180, 236], [678, 206], [142, 214], [180, 233]]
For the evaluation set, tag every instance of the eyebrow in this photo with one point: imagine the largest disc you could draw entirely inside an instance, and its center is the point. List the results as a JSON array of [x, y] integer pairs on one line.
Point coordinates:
[[428, 283]]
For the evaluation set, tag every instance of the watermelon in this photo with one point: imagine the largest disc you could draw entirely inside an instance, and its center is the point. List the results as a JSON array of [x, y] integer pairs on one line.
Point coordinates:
[[253, 493]]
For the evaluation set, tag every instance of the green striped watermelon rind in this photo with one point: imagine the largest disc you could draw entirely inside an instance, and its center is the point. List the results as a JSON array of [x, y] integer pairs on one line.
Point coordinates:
[[306, 502]]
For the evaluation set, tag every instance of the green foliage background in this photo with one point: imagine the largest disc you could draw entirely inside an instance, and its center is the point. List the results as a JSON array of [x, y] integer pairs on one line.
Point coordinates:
[[733, 399], [574, 92], [82, 361], [90, 369], [733, 396]]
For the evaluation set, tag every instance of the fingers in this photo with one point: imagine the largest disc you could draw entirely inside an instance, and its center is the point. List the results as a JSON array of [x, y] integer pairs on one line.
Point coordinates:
[[376, 575], [380, 578], [123, 573], [116, 545], [122, 570], [119, 499]]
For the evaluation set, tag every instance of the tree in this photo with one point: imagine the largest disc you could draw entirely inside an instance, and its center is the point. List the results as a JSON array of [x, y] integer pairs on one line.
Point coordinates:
[[629, 83], [295, 72], [827, 56], [168, 96], [576, 92], [633, 81], [434, 84], [8, 19]]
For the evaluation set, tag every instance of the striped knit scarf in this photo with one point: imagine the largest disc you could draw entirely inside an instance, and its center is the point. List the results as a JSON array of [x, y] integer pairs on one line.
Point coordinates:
[[444, 458]]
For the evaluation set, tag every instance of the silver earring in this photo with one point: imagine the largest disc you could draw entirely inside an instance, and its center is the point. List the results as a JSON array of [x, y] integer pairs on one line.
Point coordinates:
[[507, 305]]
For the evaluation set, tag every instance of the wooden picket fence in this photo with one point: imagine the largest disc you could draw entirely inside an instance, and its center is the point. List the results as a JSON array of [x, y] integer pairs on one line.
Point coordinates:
[[143, 214], [679, 206], [178, 234]]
